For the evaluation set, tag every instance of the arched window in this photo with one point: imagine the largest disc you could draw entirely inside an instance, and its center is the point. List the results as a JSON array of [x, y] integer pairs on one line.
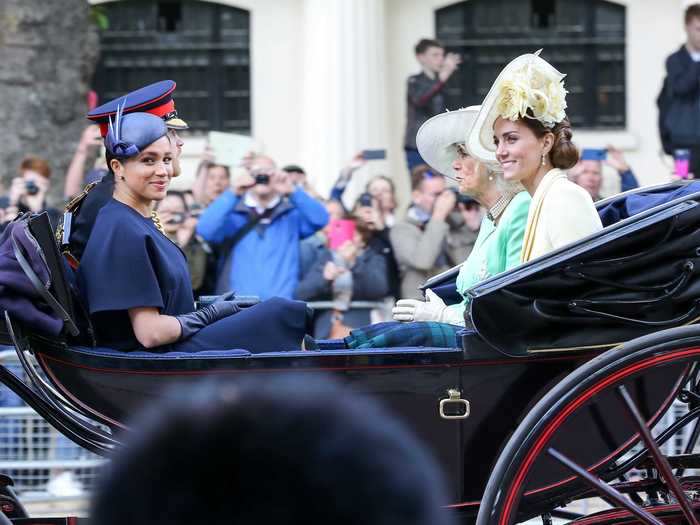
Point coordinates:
[[203, 46], [583, 38]]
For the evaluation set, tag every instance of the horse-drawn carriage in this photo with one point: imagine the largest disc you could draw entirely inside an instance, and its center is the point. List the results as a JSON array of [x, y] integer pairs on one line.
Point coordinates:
[[567, 364]]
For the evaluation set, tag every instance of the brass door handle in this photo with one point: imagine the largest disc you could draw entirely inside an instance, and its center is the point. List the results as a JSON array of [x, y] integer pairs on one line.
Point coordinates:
[[454, 407]]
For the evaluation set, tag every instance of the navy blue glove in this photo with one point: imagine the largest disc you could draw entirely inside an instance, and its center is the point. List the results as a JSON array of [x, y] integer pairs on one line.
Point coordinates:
[[194, 321]]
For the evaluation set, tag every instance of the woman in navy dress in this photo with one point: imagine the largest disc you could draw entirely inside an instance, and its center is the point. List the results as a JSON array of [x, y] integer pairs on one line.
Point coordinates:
[[135, 280]]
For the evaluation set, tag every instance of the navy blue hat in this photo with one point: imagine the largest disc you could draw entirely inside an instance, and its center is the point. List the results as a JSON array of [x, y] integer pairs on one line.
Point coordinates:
[[129, 134], [155, 99]]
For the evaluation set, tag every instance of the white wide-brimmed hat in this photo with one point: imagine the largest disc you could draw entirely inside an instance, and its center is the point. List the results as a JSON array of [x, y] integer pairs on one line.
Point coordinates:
[[527, 83], [437, 137]]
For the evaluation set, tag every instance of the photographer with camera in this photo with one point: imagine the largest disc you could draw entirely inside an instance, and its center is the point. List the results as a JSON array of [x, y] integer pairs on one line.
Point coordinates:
[[28, 191], [434, 235], [258, 224], [369, 210]]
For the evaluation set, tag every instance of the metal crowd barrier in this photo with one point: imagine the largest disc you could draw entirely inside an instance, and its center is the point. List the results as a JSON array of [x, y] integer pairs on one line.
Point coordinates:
[[41, 461]]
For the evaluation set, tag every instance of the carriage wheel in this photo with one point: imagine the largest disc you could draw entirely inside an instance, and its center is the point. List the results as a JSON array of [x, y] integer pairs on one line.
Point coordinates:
[[611, 394]]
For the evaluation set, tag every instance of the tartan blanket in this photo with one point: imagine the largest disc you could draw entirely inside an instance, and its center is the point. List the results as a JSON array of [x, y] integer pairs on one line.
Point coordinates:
[[392, 334]]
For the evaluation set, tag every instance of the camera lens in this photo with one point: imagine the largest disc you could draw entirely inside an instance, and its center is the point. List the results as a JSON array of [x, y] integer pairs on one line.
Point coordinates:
[[31, 188], [177, 218], [365, 199], [262, 178]]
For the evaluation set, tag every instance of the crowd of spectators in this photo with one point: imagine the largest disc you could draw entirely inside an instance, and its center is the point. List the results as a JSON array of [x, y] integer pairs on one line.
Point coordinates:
[[263, 231]]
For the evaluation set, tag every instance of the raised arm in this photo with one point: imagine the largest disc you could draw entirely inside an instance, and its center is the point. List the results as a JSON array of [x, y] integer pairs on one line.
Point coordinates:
[[76, 169], [312, 214]]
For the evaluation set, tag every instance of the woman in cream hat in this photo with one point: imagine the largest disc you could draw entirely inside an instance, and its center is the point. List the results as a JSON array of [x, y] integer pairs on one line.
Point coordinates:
[[523, 123], [440, 142]]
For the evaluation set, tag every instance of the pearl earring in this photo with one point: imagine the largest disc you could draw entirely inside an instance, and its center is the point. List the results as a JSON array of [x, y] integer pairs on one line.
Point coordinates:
[[491, 177]]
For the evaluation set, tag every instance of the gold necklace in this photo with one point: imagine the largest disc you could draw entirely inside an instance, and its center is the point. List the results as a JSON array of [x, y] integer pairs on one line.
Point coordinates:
[[156, 221]]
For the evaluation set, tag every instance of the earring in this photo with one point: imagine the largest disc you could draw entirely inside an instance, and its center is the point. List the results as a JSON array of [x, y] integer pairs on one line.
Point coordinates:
[[122, 176], [544, 163], [491, 177]]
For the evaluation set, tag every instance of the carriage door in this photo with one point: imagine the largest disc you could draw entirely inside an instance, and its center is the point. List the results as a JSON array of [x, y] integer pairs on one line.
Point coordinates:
[[584, 38], [203, 46], [411, 388]]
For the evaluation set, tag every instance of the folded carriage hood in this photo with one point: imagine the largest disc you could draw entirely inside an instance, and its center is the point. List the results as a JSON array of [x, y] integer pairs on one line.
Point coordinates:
[[636, 276]]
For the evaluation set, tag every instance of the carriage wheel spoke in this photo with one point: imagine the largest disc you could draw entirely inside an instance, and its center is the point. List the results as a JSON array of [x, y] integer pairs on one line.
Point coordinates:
[[662, 464], [606, 491]]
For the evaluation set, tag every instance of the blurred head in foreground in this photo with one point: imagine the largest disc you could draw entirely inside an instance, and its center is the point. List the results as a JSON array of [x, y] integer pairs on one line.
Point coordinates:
[[278, 450]]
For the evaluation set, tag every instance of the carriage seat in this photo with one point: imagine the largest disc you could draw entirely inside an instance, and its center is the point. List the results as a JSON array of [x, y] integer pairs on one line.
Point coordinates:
[[638, 275], [625, 205]]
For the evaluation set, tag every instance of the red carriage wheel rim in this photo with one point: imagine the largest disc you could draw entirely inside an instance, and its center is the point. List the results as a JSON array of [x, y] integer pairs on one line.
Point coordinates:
[[571, 407]]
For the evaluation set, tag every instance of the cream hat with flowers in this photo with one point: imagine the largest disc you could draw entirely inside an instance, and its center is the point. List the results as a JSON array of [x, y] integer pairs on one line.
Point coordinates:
[[527, 83], [437, 137]]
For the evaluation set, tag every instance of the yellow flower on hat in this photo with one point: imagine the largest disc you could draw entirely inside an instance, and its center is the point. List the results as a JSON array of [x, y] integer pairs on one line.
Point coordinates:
[[530, 88]]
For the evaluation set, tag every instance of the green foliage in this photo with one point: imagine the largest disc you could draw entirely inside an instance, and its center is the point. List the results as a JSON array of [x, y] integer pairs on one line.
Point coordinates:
[[98, 16]]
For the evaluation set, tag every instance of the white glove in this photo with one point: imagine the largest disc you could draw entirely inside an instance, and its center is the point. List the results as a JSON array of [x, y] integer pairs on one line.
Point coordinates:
[[408, 310]]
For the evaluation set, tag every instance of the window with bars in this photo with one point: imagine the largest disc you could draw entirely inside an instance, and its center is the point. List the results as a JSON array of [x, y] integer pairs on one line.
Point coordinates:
[[203, 46], [583, 38]]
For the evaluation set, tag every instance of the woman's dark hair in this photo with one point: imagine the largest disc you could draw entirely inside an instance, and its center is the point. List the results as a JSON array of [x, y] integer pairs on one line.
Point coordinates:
[[564, 154]]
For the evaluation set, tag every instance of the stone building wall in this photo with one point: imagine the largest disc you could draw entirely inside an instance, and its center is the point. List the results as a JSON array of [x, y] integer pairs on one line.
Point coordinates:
[[48, 50]]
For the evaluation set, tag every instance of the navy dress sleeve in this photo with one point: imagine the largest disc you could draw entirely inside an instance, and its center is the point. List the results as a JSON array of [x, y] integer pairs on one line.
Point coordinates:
[[120, 271], [128, 263]]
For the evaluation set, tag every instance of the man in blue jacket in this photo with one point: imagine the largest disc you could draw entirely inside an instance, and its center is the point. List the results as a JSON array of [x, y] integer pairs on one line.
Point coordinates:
[[258, 225]]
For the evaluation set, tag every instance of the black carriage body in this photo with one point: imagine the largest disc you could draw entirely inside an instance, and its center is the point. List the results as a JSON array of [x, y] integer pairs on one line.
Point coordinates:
[[410, 382], [413, 383]]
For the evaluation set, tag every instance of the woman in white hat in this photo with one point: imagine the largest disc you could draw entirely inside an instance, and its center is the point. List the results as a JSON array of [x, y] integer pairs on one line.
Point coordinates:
[[440, 142], [522, 121]]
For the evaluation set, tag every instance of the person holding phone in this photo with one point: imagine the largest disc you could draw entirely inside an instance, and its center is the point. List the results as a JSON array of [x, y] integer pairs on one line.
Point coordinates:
[[346, 269], [588, 171]]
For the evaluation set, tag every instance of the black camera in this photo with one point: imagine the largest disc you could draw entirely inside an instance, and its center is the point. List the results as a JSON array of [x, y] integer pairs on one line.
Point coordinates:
[[365, 199], [464, 199], [177, 218], [262, 178], [31, 188]]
